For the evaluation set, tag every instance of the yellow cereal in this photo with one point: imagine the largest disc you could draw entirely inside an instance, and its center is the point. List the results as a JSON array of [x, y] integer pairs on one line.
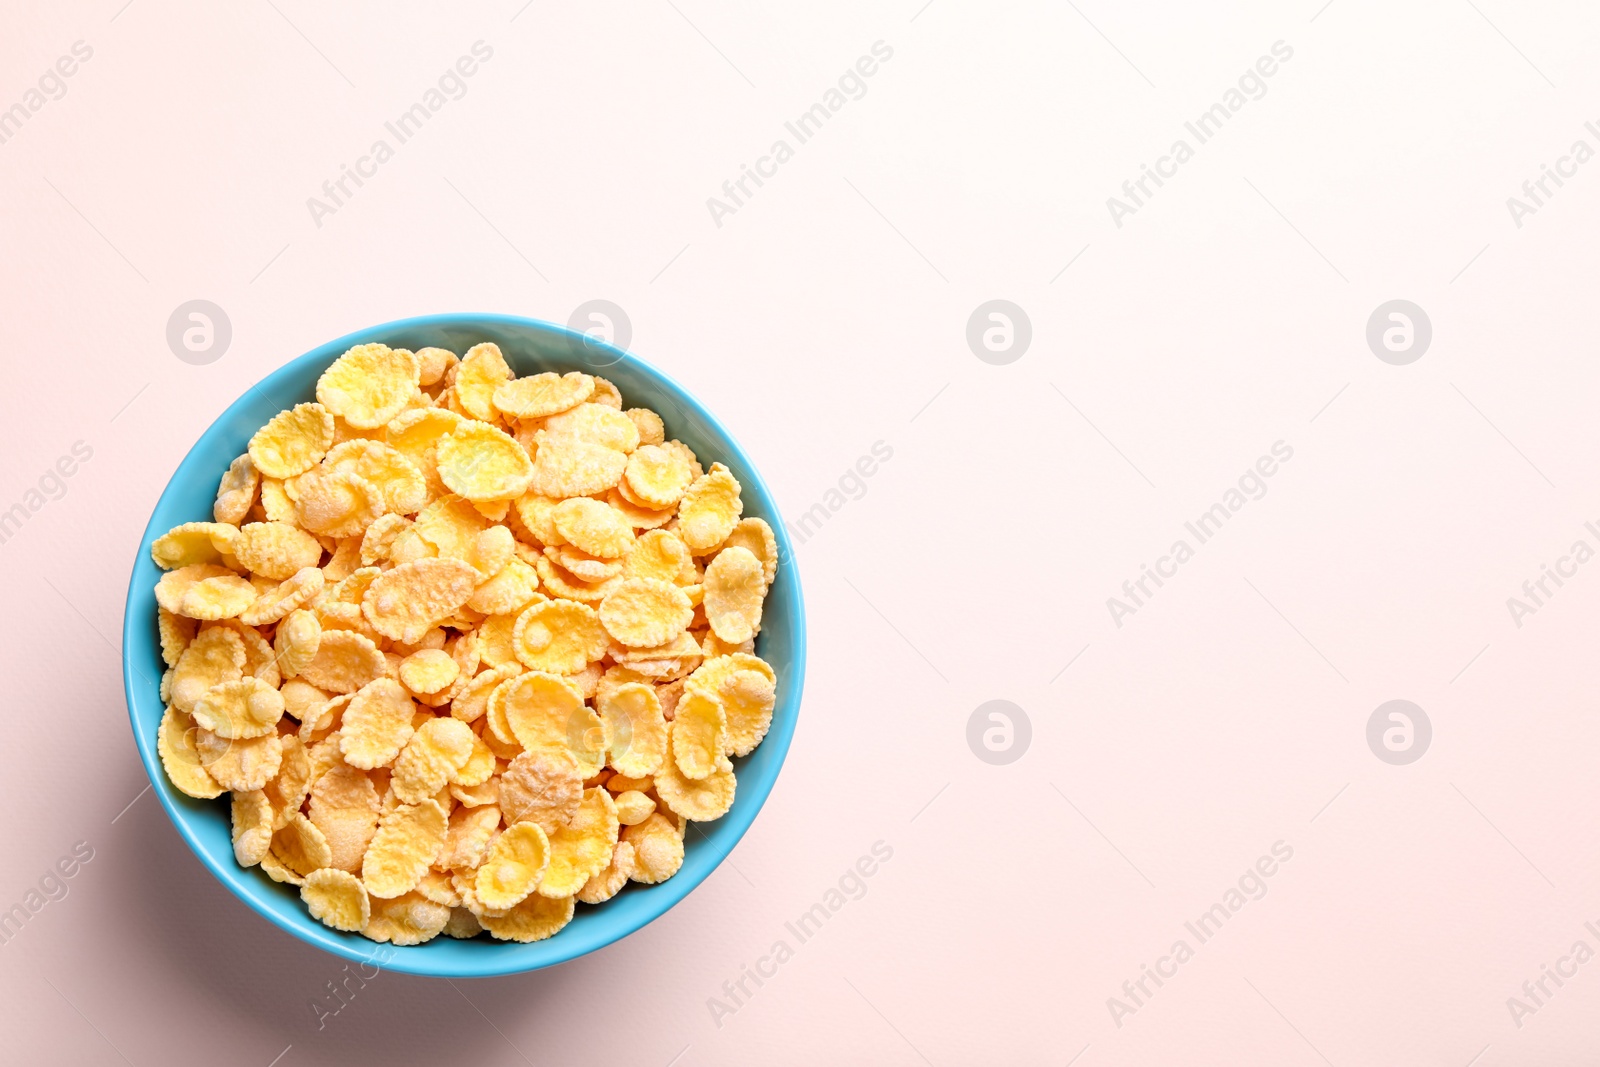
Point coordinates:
[[699, 734], [239, 766], [279, 871], [293, 441], [434, 362], [582, 566], [369, 385], [645, 612], [699, 800], [402, 850], [598, 424], [535, 919], [376, 725], [289, 788], [236, 493], [175, 742], [542, 394], [344, 806], [175, 632], [467, 839], [275, 550], [513, 588], [344, 662], [301, 698], [659, 554], [427, 671], [296, 641], [337, 899], [746, 687], [404, 603], [734, 589], [657, 849], [284, 598], [657, 477], [581, 849], [193, 543], [479, 374], [246, 708], [634, 731], [482, 463], [478, 768], [301, 846], [409, 919], [401, 482], [633, 807], [755, 535], [609, 880], [606, 393], [593, 527], [472, 701], [568, 466], [561, 637], [710, 509], [336, 503], [640, 518], [543, 787], [435, 752], [216, 655], [546, 712], [514, 866], [252, 827], [537, 514], [649, 425], [276, 504]]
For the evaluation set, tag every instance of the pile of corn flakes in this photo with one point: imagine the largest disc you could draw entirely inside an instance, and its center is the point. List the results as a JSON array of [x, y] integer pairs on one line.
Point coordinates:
[[464, 649]]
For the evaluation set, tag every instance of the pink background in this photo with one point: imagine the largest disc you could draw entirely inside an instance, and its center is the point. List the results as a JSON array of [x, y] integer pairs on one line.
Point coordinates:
[[827, 313]]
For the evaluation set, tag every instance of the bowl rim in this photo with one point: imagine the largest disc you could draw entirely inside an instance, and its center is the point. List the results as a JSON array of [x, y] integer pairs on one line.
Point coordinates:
[[246, 883]]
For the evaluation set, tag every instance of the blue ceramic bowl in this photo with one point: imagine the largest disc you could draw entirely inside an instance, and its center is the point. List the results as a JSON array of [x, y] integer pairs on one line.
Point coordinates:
[[530, 346]]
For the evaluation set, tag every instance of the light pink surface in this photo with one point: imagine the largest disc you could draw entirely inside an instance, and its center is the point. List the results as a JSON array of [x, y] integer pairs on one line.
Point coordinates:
[[1226, 715]]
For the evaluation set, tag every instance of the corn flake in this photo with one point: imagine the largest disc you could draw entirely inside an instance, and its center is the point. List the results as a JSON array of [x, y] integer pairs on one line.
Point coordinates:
[[376, 725], [561, 637], [292, 441], [567, 466], [699, 734], [175, 743], [408, 839], [710, 509], [535, 919], [543, 787], [242, 709], [582, 848], [404, 603], [368, 385], [236, 493], [514, 866], [479, 374], [734, 589], [657, 477], [482, 463], [542, 394], [337, 899]]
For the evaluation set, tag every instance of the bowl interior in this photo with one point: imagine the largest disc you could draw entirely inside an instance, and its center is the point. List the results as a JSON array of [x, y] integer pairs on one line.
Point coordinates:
[[529, 346]]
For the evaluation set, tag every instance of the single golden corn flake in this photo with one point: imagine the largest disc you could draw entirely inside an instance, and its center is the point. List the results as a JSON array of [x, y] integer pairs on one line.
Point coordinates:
[[633, 807], [175, 743], [428, 671], [659, 554], [239, 766], [436, 886], [301, 846], [480, 373], [645, 612], [295, 642], [510, 590], [293, 441], [402, 483], [276, 504], [699, 800], [747, 690], [479, 766], [561, 637], [535, 919], [657, 849], [542, 394], [581, 849], [252, 827], [376, 725], [543, 787], [609, 880], [545, 712], [657, 477], [336, 503], [514, 866], [369, 385], [278, 871], [216, 655], [437, 750], [344, 662], [568, 466], [275, 550], [301, 698], [409, 919], [634, 731], [598, 424], [451, 525], [284, 598], [246, 708], [404, 603], [640, 518], [344, 805], [755, 535], [236, 493], [710, 509], [408, 839], [175, 633], [735, 587], [537, 514], [193, 543], [651, 429], [699, 734], [467, 839], [337, 899], [480, 462], [433, 363], [593, 527]]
